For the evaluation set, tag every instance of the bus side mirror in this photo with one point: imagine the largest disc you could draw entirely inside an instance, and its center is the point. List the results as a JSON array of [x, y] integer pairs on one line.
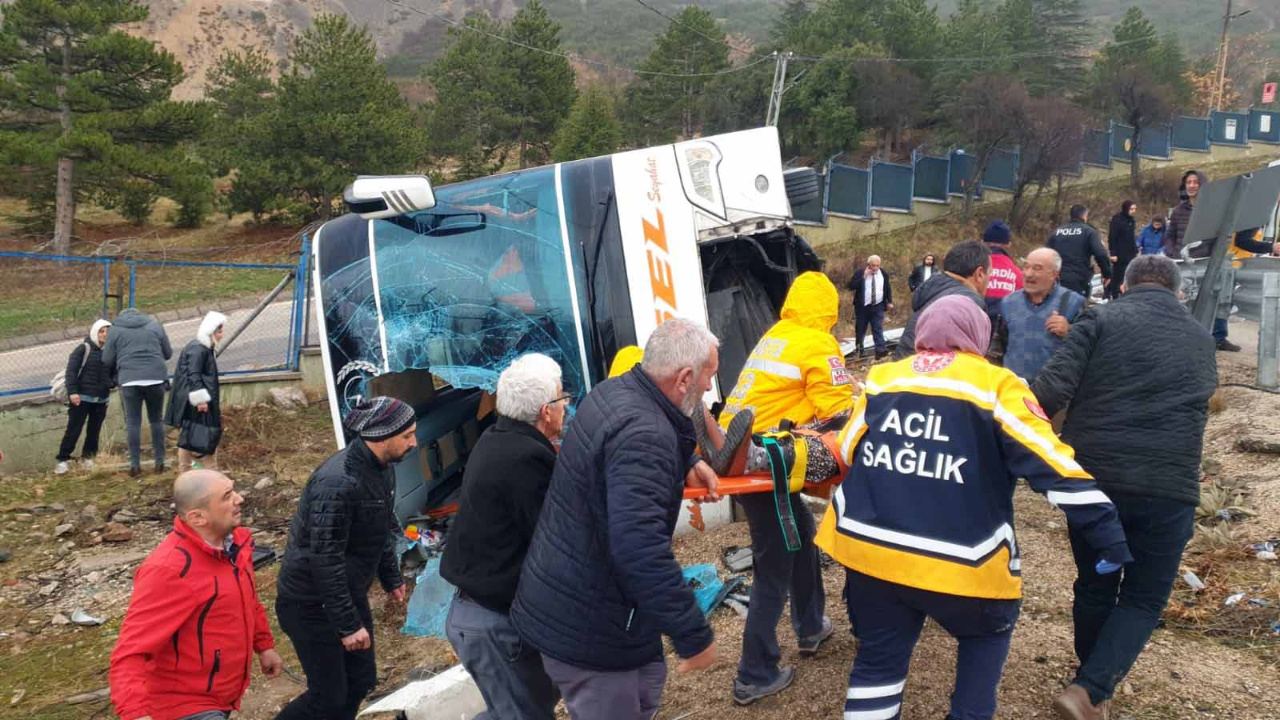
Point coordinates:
[[383, 196]]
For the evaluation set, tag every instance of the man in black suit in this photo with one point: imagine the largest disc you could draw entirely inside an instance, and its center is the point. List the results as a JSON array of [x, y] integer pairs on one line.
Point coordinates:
[[872, 295]]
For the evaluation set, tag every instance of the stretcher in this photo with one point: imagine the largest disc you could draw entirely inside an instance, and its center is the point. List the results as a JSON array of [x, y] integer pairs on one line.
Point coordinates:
[[748, 484]]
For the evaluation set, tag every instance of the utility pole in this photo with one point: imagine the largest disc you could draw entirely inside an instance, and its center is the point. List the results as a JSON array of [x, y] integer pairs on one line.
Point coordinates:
[[779, 87], [1222, 55]]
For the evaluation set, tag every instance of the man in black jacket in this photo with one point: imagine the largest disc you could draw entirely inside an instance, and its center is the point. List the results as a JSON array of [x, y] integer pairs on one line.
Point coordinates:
[[872, 295], [342, 535], [502, 492], [600, 584], [1079, 243], [1140, 436], [965, 271]]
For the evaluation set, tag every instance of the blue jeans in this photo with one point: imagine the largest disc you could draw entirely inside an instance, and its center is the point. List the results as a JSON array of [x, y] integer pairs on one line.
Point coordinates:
[[778, 575], [134, 397], [873, 316], [509, 674], [1115, 614], [1219, 329], [889, 619]]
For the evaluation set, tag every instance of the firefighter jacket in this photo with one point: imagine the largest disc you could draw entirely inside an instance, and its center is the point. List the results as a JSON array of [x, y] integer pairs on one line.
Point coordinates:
[[796, 371], [934, 448]]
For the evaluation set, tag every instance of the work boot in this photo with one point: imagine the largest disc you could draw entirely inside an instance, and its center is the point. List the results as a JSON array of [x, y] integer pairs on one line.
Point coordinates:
[[1226, 345], [809, 646], [744, 694], [1074, 704]]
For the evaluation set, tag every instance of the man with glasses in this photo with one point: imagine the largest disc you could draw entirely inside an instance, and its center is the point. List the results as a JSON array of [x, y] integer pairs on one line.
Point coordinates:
[[503, 488]]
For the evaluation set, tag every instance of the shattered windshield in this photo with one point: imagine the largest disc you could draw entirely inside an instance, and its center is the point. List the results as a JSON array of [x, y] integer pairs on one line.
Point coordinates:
[[478, 280]]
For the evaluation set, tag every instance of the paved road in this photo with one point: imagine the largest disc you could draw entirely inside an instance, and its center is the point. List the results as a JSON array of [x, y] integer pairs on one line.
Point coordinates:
[[262, 344]]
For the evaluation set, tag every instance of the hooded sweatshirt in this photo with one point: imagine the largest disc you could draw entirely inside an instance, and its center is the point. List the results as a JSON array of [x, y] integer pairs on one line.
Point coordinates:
[[137, 348], [796, 371], [938, 286], [87, 376]]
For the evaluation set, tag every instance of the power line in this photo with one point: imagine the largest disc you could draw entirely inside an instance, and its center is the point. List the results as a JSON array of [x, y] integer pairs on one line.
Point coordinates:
[[572, 57]]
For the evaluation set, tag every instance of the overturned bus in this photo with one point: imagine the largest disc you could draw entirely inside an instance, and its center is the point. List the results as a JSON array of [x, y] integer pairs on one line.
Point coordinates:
[[428, 294]]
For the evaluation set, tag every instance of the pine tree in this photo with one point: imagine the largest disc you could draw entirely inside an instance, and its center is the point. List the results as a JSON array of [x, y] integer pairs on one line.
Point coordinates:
[[665, 107], [1046, 41], [973, 31], [338, 115], [544, 83], [243, 95], [591, 130], [86, 106]]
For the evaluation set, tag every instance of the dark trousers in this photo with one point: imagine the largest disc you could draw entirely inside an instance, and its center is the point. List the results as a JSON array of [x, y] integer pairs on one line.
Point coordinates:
[[77, 416], [872, 315], [595, 695], [1117, 279], [1220, 329], [134, 397], [889, 619], [509, 673], [337, 679], [1115, 614], [778, 575]]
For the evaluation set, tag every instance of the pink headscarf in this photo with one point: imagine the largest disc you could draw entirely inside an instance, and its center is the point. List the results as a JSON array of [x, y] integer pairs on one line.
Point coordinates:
[[954, 322]]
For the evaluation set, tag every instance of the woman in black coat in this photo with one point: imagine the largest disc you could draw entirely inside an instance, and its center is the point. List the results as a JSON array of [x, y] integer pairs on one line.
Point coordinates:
[[1122, 241], [195, 386], [925, 270], [89, 382]]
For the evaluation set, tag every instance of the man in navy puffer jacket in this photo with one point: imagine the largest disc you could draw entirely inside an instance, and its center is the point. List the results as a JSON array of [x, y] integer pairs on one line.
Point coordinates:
[[600, 585]]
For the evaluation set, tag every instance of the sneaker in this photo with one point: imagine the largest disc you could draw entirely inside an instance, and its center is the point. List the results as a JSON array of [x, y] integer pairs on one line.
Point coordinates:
[[61, 468], [744, 694], [809, 646], [1226, 345], [1074, 704], [87, 463]]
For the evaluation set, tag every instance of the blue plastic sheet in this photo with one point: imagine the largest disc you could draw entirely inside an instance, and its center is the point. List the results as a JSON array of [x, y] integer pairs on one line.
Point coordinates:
[[706, 585], [429, 605]]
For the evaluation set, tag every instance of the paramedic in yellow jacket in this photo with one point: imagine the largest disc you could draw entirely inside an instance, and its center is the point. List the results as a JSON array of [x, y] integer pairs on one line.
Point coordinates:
[[923, 520], [796, 372]]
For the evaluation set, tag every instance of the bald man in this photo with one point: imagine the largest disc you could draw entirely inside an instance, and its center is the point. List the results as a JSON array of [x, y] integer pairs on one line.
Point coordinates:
[[872, 295], [194, 621], [1038, 317]]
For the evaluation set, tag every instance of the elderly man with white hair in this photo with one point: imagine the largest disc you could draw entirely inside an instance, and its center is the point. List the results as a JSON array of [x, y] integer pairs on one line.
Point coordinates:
[[600, 585], [502, 492], [1038, 316], [872, 295]]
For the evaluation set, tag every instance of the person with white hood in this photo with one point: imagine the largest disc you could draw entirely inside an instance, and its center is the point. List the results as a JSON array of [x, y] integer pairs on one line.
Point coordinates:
[[89, 383], [195, 386]]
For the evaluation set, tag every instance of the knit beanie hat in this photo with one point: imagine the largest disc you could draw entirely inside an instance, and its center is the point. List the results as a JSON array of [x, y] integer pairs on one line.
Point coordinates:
[[379, 418], [997, 232]]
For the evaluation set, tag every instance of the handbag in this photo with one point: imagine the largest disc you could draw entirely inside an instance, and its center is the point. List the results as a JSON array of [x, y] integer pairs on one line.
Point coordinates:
[[200, 434]]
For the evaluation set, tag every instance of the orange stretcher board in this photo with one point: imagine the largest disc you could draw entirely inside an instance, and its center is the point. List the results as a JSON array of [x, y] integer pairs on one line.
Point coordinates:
[[746, 484]]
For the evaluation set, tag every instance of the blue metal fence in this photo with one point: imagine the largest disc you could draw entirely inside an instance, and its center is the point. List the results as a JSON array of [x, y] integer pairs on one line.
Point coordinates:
[[1156, 142], [931, 178], [1002, 170], [1191, 134], [273, 341], [892, 186], [849, 191], [814, 211], [961, 173], [1229, 128], [1264, 126], [1097, 148]]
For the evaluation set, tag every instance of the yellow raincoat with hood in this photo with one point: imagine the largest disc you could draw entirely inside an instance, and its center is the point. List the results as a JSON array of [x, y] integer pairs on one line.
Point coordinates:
[[796, 371]]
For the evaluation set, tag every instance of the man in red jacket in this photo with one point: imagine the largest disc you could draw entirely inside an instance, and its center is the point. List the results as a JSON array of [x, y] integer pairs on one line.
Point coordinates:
[[194, 621]]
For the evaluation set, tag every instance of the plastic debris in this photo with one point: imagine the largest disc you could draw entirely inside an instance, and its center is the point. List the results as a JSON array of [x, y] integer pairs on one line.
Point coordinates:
[[1225, 514], [84, 619], [1263, 547], [706, 585], [1275, 627], [1193, 580], [738, 559], [736, 606], [1234, 599], [1266, 555], [1259, 602], [429, 604], [262, 555]]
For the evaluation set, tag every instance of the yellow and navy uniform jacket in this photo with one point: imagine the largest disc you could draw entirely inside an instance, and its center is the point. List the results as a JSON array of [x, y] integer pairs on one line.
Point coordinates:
[[935, 446], [796, 371]]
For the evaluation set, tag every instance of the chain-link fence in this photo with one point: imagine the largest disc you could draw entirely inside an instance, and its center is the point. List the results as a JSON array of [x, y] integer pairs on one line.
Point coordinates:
[[61, 297]]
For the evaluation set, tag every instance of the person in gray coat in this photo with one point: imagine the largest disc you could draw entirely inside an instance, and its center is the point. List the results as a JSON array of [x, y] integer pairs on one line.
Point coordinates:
[[136, 351], [195, 391]]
